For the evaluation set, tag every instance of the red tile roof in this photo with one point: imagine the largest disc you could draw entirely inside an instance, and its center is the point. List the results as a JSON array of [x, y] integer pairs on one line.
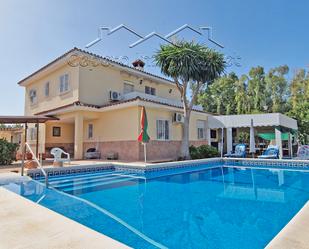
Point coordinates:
[[96, 56], [78, 103]]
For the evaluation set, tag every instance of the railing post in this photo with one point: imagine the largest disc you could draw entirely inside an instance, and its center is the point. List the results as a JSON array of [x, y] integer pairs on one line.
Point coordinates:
[[24, 150], [38, 163], [23, 159], [46, 180]]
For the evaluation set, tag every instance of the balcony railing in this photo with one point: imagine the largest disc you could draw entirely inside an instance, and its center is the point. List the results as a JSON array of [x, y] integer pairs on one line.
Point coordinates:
[[171, 102]]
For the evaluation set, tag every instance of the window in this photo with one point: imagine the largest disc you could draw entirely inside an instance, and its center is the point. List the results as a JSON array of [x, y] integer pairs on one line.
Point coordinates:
[[150, 90], [213, 134], [201, 131], [56, 131], [33, 96], [128, 88], [46, 89], [90, 131], [163, 130], [64, 83], [32, 133]]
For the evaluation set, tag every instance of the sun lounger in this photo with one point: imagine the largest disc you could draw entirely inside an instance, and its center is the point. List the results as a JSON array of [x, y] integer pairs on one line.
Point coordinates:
[[240, 151], [272, 152], [302, 152]]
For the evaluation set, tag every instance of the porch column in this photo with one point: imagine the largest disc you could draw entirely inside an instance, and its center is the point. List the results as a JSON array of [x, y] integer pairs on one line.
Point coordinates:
[[279, 142], [222, 142], [290, 145], [229, 140], [208, 136], [78, 136]]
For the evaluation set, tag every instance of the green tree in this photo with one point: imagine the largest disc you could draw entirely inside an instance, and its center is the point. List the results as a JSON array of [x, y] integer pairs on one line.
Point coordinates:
[[241, 98], [192, 66], [219, 96], [276, 93], [256, 89], [299, 102]]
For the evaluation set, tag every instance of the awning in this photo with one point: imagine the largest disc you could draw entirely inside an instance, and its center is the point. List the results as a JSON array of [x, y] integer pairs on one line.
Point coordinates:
[[272, 136], [25, 119], [259, 120]]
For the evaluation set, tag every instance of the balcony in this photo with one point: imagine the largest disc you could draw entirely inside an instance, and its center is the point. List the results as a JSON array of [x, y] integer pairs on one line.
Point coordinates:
[[171, 102]]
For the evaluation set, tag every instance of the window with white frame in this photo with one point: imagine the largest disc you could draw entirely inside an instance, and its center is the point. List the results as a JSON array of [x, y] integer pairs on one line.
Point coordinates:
[[201, 129], [64, 83], [33, 96], [90, 131], [163, 128], [128, 88], [46, 89]]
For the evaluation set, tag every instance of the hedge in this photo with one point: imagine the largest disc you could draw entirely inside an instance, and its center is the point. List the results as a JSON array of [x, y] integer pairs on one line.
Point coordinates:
[[203, 151], [7, 151]]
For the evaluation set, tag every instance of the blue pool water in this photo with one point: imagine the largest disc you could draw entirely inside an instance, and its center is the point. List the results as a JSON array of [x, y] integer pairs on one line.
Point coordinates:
[[220, 207]]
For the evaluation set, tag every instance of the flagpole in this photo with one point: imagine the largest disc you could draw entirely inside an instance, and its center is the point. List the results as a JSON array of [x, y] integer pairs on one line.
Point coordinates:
[[145, 154]]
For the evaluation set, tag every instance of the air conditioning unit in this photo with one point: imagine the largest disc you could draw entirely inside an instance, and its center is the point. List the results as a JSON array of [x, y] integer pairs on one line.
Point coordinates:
[[114, 96], [178, 117]]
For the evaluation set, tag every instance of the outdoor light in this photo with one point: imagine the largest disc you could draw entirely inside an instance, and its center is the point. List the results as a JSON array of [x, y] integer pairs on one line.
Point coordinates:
[[170, 91], [141, 82]]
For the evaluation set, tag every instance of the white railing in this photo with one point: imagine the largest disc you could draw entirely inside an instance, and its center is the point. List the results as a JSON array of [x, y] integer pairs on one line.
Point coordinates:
[[27, 146], [172, 102]]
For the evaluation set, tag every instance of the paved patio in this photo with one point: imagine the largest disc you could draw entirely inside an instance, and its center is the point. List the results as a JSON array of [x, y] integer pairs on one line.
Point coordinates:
[[25, 225], [16, 166]]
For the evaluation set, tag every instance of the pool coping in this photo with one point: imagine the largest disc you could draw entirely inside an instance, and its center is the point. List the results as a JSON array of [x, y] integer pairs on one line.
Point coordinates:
[[25, 224], [295, 233], [249, 162]]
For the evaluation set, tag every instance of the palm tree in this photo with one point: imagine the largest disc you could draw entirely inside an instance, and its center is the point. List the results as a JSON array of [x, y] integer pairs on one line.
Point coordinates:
[[192, 66]]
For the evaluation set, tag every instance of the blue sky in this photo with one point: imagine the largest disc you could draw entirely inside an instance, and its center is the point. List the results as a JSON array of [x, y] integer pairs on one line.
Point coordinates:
[[267, 33]]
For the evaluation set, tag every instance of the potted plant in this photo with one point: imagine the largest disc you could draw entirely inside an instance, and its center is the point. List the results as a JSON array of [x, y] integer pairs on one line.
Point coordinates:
[[31, 164], [28, 156]]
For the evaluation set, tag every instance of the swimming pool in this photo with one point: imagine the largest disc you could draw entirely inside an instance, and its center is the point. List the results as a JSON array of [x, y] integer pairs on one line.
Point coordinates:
[[217, 206]]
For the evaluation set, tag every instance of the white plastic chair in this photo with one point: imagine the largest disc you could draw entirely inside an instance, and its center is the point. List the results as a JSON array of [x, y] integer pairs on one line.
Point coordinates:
[[302, 153], [57, 153]]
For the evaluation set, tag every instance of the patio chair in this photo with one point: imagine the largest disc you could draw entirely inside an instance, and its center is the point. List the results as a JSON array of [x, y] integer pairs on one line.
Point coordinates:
[[302, 152], [240, 151], [92, 153], [272, 152], [57, 153]]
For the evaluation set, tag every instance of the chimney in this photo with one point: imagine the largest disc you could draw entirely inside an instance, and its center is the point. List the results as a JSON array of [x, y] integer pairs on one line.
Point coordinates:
[[138, 64]]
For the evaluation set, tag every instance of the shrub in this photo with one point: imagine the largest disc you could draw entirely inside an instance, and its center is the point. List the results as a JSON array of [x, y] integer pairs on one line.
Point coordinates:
[[7, 152], [203, 151], [243, 137], [194, 152]]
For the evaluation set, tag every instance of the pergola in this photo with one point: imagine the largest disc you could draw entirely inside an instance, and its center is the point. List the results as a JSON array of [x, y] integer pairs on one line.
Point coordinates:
[[278, 121], [27, 120]]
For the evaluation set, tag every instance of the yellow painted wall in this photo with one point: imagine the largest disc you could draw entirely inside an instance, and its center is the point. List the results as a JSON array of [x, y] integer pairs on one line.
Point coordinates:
[[67, 132], [162, 90], [55, 99], [6, 135], [97, 82], [90, 85], [120, 125], [154, 114], [195, 116]]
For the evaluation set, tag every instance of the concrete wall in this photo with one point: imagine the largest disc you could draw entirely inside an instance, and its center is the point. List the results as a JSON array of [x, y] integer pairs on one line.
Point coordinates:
[[97, 82], [55, 99], [117, 131]]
